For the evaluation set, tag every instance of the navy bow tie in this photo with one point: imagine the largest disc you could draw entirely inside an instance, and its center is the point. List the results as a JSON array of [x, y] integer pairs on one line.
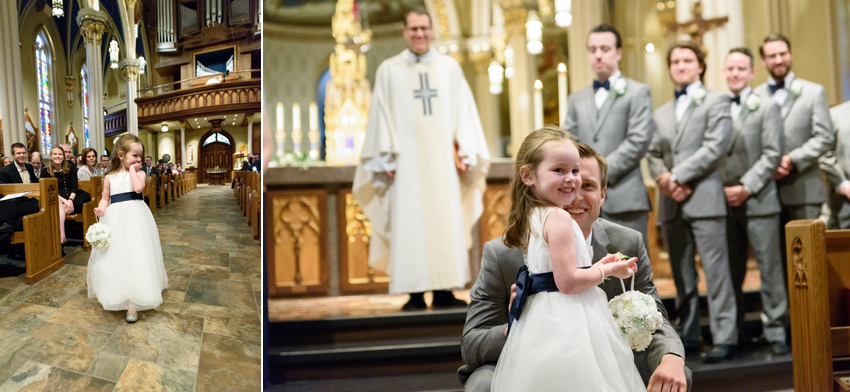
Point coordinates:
[[680, 93], [777, 86], [597, 84], [736, 100]]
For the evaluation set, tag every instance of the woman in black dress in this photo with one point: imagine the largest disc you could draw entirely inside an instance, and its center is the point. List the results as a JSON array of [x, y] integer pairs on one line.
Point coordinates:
[[71, 198]]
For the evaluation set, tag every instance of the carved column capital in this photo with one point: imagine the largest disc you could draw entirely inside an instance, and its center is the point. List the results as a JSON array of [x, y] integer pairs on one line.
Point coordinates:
[[249, 118], [481, 61], [515, 19], [93, 30], [131, 72]]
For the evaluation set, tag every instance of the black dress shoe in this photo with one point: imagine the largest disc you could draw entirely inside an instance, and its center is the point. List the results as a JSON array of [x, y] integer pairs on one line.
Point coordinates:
[[446, 299], [720, 353], [780, 348], [416, 302]]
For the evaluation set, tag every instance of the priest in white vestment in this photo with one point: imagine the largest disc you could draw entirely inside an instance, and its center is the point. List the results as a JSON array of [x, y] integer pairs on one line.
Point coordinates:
[[423, 170]]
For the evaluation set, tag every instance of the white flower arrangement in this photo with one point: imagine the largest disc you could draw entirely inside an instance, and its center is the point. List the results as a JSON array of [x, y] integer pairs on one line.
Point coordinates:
[[796, 87], [637, 316], [753, 102], [620, 87], [98, 235], [699, 96]]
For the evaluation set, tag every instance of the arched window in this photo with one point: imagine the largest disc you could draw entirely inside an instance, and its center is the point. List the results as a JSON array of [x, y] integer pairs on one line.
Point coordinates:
[[85, 94], [217, 137], [43, 60]]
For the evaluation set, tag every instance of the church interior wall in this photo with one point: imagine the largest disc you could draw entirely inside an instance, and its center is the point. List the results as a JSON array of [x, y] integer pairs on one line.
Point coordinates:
[[193, 139], [165, 145]]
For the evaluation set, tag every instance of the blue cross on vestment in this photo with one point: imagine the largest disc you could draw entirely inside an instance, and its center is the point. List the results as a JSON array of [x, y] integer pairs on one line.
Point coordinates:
[[425, 93]]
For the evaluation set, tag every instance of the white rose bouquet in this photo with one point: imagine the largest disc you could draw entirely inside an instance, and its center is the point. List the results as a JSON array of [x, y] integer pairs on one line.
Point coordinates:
[[98, 235], [637, 316]]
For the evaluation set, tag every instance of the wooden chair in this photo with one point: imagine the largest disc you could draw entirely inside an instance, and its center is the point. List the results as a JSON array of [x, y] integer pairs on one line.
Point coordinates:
[[40, 236], [819, 300]]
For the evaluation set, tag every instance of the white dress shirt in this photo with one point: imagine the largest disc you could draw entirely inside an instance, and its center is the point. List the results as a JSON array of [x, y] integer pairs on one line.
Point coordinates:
[[602, 94], [22, 171], [684, 101], [736, 108], [780, 95]]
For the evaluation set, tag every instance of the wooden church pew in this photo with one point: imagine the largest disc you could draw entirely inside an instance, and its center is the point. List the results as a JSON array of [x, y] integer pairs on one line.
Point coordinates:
[[150, 192], [40, 236], [819, 301], [165, 178], [94, 187]]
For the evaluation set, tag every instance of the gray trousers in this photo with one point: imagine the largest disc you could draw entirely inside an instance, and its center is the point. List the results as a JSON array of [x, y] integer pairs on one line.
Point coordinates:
[[760, 232], [633, 220], [684, 236]]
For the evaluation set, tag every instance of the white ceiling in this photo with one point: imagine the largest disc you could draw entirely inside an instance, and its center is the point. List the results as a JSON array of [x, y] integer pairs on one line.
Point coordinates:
[[202, 123]]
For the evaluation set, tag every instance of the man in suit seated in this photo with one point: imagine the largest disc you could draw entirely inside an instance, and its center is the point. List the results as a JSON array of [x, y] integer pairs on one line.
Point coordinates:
[[69, 155], [662, 364], [35, 158], [19, 172]]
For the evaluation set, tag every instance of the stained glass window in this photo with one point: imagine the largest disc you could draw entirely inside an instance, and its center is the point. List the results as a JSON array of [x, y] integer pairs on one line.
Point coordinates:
[[217, 137], [85, 94], [45, 96]]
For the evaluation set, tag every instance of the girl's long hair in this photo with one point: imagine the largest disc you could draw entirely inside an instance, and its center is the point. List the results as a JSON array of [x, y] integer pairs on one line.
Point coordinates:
[[65, 167], [122, 144], [523, 200]]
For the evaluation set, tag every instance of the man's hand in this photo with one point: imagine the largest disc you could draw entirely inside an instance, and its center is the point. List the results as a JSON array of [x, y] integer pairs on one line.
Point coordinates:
[[513, 296], [391, 174], [845, 191], [669, 376], [680, 192], [784, 169], [663, 182], [736, 195]]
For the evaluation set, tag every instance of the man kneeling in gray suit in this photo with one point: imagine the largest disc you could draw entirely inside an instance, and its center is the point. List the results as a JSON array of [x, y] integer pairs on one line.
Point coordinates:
[[661, 365]]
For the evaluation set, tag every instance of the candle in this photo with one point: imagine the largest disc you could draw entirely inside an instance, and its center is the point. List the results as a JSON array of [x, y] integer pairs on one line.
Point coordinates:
[[296, 127], [562, 93], [280, 135], [538, 104], [313, 135]]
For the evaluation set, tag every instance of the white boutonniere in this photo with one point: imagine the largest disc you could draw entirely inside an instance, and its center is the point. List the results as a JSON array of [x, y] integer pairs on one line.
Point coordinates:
[[620, 87], [796, 87], [698, 97], [753, 102]]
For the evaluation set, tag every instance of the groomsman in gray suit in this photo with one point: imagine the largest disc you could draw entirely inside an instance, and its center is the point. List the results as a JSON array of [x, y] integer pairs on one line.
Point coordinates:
[[836, 165], [807, 135], [614, 116], [661, 365], [751, 196], [693, 137]]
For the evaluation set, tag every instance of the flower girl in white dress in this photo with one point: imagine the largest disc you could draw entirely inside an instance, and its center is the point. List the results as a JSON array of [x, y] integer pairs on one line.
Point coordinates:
[[566, 337], [129, 273]]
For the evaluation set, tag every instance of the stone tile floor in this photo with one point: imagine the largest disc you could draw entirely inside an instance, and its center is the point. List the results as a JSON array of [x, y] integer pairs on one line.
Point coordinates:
[[204, 337]]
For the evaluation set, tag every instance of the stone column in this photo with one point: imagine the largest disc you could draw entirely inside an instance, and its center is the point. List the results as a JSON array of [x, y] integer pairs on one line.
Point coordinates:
[[183, 143], [487, 103], [92, 25], [587, 14], [130, 69], [250, 118], [12, 91], [522, 83]]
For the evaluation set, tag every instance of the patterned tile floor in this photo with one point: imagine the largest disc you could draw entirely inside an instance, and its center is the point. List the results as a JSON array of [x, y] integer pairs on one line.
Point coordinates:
[[204, 337]]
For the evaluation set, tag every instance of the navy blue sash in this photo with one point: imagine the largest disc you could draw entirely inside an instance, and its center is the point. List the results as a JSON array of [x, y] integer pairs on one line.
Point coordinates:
[[126, 196], [528, 284]]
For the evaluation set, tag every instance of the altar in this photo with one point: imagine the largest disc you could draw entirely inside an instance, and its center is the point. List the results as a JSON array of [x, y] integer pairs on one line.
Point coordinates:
[[216, 176]]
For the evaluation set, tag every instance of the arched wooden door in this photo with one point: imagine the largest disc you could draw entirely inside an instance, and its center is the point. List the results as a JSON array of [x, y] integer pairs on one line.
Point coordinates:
[[214, 155]]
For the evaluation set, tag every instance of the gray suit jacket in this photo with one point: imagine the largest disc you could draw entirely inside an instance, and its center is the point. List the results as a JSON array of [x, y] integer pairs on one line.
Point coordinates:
[[754, 156], [621, 130], [808, 135], [483, 333], [836, 163], [693, 151]]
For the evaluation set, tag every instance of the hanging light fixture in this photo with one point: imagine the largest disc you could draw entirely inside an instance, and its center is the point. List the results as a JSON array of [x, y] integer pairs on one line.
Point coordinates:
[[534, 33], [142, 63], [496, 77], [113, 54], [563, 17], [164, 128], [58, 8]]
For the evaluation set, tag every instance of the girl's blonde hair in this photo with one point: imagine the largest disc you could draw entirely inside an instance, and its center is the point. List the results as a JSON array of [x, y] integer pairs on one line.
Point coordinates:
[[122, 144], [65, 167], [522, 198]]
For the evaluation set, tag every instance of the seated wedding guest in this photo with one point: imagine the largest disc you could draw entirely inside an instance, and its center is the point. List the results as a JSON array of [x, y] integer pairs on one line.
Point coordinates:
[[20, 172], [661, 365], [69, 155], [104, 163], [5, 161], [70, 197], [35, 159], [180, 169], [88, 166]]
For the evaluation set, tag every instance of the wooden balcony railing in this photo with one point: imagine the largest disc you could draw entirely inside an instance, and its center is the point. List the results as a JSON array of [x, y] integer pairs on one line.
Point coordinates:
[[240, 96], [115, 123]]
